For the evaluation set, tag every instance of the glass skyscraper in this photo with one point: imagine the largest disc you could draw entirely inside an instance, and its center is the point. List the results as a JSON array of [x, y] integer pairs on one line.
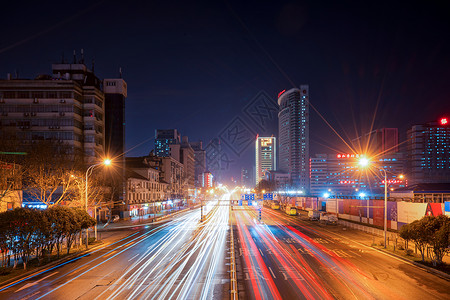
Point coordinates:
[[293, 135]]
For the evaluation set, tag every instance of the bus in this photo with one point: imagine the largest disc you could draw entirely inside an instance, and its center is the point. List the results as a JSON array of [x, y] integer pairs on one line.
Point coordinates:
[[291, 210]]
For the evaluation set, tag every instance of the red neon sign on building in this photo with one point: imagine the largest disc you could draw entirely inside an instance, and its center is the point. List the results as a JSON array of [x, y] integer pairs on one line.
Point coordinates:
[[443, 121], [347, 155]]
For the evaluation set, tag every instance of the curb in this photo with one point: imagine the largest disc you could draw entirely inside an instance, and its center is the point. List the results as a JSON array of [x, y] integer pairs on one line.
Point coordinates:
[[427, 268], [50, 264]]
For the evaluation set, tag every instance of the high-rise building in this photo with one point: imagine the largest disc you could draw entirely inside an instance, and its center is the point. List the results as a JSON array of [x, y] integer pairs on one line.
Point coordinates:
[[115, 94], [428, 152], [247, 177], [293, 135], [379, 141], [265, 156], [163, 139], [67, 107], [200, 161], [207, 179], [188, 159]]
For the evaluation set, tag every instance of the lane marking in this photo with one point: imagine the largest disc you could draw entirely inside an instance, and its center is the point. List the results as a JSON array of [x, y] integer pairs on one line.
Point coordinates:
[[272, 272], [34, 283], [260, 252], [133, 257]]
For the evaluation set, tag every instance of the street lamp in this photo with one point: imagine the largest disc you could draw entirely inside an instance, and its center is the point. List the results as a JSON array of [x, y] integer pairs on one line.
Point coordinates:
[[364, 162], [89, 170]]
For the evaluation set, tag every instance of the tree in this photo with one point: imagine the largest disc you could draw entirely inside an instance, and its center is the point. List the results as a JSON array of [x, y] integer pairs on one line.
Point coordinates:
[[406, 234], [440, 237], [419, 236], [265, 185], [60, 221], [49, 167]]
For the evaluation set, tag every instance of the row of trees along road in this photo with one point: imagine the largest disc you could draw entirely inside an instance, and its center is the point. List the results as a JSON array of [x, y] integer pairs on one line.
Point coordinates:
[[25, 232], [429, 231], [52, 173]]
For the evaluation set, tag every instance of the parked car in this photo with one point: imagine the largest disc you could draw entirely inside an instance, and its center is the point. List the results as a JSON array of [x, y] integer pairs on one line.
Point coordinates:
[[328, 218], [115, 218], [313, 215]]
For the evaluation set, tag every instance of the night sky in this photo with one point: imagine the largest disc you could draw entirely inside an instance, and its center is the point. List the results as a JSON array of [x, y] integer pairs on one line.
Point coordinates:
[[200, 66]]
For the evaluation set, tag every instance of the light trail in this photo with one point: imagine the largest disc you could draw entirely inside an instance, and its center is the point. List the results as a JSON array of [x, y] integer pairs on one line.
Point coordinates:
[[173, 268]]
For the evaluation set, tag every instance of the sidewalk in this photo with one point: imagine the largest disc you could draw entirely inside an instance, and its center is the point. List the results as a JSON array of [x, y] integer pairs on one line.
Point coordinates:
[[148, 218]]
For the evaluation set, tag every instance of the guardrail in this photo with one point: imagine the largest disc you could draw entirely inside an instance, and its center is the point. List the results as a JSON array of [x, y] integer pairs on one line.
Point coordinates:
[[233, 281], [368, 229]]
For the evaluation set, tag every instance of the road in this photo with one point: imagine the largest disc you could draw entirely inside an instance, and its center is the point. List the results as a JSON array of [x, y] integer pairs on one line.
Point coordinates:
[[283, 257], [183, 259]]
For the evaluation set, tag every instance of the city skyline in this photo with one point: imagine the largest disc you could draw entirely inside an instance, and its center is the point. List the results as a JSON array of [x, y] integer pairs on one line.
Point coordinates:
[[353, 71], [254, 150]]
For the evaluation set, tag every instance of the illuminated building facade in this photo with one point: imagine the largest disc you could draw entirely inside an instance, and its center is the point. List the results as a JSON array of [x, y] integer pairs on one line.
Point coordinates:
[[163, 139], [207, 180], [384, 140], [67, 107], [265, 156], [428, 152], [339, 174], [293, 135]]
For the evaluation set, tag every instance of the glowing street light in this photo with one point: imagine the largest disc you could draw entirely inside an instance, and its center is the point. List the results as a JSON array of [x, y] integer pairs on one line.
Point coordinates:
[[364, 162], [89, 170]]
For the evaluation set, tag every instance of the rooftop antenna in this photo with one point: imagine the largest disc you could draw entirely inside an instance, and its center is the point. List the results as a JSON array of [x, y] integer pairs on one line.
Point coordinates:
[[120, 72], [82, 56], [74, 57]]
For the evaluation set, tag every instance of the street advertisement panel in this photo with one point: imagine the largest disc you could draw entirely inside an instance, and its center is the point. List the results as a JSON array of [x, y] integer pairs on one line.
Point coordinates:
[[409, 212], [378, 212]]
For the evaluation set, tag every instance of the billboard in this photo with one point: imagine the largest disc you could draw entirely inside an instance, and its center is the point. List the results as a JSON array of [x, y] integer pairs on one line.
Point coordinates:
[[409, 212]]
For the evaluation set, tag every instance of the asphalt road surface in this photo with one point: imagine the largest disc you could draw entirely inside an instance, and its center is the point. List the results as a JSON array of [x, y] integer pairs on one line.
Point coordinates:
[[283, 257], [183, 258]]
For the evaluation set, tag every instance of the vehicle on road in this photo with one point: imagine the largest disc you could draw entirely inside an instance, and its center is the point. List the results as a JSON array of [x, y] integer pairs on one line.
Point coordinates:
[[275, 206], [328, 218], [291, 210], [314, 215]]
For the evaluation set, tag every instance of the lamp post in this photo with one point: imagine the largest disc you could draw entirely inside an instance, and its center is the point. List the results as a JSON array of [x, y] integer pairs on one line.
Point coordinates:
[[365, 162], [385, 205], [89, 170]]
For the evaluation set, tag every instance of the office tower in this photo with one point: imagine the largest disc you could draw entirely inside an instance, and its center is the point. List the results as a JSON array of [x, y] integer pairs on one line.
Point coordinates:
[[379, 141], [293, 135], [187, 155], [200, 161], [115, 94], [428, 152], [163, 139], [247, 177], [265, 156]]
